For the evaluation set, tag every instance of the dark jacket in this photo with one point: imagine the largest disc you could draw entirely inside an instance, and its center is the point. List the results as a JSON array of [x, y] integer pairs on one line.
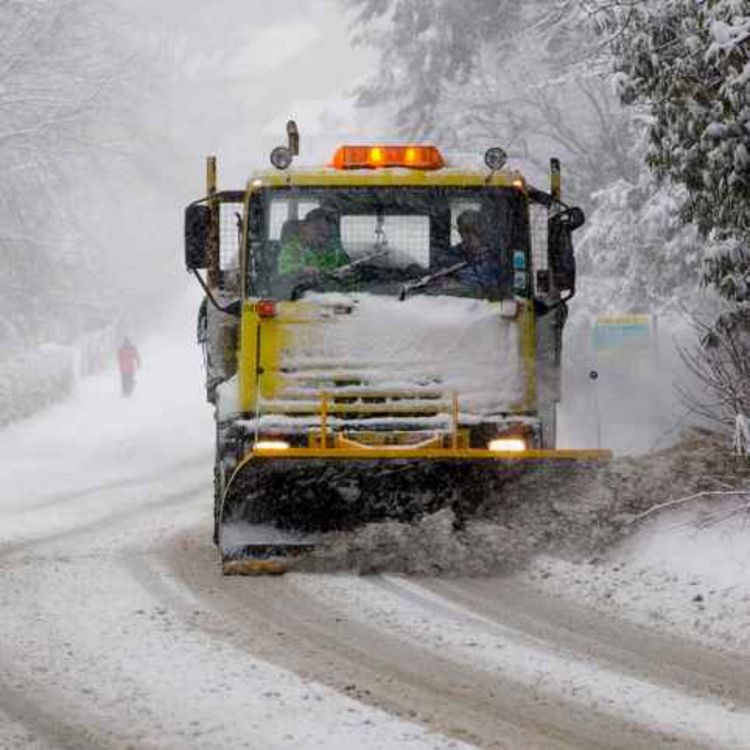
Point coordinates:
[[484, 271]]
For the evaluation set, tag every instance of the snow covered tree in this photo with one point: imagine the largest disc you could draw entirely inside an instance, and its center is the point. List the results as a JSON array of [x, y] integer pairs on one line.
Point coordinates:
[[526, 74], [426, 48], [538, 77], [636, 254], [686, 63], [72, 95]]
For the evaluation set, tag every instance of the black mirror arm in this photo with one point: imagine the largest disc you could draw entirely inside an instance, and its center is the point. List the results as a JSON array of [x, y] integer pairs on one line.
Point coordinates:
[[298, 290], [542, 307], [233, 308]]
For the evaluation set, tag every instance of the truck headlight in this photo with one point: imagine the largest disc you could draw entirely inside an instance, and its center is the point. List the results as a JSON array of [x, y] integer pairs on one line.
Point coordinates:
[[507, 445], [271, 445]]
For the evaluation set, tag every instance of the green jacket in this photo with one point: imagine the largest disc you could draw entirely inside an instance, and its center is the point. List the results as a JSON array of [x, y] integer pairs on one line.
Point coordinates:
[[295, 257]]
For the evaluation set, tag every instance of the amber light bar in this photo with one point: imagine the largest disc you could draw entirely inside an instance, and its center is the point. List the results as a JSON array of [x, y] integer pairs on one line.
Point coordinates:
[[372, 157]]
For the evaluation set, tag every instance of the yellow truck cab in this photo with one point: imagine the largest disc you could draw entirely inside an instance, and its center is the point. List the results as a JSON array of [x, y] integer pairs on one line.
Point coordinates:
[[379, 332]]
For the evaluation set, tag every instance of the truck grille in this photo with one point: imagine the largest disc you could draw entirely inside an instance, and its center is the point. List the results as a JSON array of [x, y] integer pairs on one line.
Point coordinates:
[[359, 399]]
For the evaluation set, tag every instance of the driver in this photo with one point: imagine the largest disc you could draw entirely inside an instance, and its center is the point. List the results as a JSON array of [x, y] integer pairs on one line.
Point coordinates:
[[484, 269], [314, 248]]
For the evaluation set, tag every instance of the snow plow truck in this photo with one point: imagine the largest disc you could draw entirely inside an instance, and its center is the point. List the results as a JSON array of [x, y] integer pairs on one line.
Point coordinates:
[[382, 338]]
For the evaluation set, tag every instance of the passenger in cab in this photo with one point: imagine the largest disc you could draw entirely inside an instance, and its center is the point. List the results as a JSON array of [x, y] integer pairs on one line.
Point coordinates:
[[313, 247]]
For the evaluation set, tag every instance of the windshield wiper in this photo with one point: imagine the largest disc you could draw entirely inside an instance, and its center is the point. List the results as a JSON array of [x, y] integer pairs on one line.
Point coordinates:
[[343, 270], [425, 281]]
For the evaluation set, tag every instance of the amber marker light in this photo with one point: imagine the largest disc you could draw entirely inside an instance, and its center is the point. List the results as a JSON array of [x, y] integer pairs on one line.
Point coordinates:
[[374, 157]]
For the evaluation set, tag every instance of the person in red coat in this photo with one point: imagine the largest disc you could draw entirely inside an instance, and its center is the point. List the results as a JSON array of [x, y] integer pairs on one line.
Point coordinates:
[[129, 362]]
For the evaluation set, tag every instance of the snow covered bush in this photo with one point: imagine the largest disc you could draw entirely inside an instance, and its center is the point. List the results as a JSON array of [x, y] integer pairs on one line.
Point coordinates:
[[720, 365]]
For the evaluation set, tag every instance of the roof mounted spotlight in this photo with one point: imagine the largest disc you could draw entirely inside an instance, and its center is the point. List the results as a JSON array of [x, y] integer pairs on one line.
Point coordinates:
[[283, 156], [495, 158]]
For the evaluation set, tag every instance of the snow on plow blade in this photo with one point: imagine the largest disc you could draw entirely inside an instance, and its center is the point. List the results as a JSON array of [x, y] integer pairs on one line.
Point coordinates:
[[277, 504]]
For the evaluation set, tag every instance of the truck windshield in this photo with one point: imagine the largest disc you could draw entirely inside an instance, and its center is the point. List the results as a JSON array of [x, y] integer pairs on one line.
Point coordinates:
[[460, 241]]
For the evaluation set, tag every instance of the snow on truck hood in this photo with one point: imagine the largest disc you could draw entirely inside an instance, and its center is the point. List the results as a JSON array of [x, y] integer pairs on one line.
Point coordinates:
[[423, 344]]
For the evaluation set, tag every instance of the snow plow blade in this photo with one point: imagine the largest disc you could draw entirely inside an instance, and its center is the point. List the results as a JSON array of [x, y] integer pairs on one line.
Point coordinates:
[[277, 503]]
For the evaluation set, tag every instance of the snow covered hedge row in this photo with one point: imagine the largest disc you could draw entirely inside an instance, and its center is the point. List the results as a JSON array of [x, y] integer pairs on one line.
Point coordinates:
[[32, 380]]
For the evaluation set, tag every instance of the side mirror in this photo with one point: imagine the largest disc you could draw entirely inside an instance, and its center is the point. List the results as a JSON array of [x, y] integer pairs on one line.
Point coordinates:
[[562, 262], [576, 218], [234, 308], [197, 225], [571, 218]]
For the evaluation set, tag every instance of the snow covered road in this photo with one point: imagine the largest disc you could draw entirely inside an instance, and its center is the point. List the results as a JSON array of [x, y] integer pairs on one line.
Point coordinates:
[[118, 631]]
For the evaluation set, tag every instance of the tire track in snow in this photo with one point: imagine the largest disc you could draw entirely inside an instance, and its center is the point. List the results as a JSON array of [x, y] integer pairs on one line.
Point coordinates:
[[632, 648], [153, 573], [28, 703], [286, 622], [428, 619], [95, 642], [125, 482], [107, 519], [282, 625]]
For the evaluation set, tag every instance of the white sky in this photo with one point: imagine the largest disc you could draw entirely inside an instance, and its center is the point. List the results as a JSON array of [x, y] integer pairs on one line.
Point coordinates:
[[250, 65]]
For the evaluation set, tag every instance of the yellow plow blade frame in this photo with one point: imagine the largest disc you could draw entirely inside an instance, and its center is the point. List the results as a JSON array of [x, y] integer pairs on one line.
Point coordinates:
[[472, 454]]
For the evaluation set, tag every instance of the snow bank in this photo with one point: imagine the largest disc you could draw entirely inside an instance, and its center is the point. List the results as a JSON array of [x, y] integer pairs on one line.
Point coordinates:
[[681, 574]]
